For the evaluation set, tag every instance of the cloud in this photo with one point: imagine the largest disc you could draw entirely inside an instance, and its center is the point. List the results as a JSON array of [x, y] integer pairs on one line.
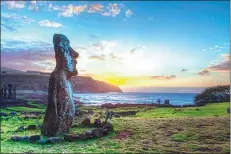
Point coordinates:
[[217, 48], [15, 4], [112, 10], [33, 6], [71, 10], [203, 73], [100, 58], [15, 17], [139, 47], [162, 77], [52, 7], [47, 23], [128, 13], [27, 54], [94, 8], [222, 65], [109, 10], [12, 22], [104, 44], [184, 70]]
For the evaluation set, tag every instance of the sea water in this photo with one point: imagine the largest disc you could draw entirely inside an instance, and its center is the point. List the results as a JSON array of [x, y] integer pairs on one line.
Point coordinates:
[[135, 98]]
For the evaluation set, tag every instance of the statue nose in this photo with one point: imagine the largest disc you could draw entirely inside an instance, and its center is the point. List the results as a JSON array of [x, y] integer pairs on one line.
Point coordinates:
[[74, 54]]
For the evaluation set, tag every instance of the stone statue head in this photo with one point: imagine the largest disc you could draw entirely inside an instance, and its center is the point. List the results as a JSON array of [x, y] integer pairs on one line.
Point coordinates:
[[64, 54]]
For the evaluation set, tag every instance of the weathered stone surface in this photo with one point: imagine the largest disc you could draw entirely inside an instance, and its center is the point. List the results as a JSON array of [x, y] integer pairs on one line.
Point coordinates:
[[54, 139], [60, 110], [86, 122], [97, 122], [82, 136], [15, 138], [3, 114], [25, 138], [97, 132], [70, 137], [90, 112], [34, 138], [31, 127], [21, 128], [43, 141], [13, 113], [88, 132]]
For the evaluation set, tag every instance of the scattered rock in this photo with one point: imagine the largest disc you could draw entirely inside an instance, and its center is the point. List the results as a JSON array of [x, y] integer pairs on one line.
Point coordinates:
[[15, 138], [25, 138], [82, 136], [54, 139], [97, 132], [86, 122], [13, 113], [97, 122], [116, 115], [90, 112], [3, 114], [88, 132], [108, 126], [228, 110], [21, 128], [70, 137], [43, 141], [34, 138], [31, 127]]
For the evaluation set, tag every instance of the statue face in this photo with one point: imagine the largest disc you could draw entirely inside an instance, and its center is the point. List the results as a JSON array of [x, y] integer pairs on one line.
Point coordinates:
[[65, 55]]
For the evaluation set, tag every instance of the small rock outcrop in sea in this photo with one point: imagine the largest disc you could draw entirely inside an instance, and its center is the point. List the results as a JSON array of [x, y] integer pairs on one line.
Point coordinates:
[[60, 110]]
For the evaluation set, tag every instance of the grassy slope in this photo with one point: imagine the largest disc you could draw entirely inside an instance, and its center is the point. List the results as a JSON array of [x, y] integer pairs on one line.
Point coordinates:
[[203, 132]]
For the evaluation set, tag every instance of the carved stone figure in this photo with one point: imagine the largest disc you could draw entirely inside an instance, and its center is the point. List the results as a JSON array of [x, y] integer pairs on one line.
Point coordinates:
[[14, 92], [9, 90], [1, 92], [60, 110], [5, 92]]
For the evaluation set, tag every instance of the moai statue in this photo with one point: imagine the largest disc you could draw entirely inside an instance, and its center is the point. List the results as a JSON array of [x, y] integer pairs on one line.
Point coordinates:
[[14, 92], [5, 92], [60, 110], [109, 115], [1, 92], [9, 90]]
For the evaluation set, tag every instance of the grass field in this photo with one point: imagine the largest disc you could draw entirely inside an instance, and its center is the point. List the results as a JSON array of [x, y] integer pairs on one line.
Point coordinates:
[[155, 130]]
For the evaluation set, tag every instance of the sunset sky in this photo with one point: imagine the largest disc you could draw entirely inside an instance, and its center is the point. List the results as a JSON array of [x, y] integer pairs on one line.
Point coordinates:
[[130, 44]]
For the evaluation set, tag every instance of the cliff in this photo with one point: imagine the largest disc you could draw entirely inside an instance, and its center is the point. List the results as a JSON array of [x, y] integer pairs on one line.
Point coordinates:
[[31, 80]]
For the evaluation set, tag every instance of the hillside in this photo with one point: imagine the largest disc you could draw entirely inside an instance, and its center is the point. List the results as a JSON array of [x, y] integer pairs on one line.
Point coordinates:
[[31, 80]]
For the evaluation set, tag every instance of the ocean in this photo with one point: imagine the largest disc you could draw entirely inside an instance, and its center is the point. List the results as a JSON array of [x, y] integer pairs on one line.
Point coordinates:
[[135, 98]]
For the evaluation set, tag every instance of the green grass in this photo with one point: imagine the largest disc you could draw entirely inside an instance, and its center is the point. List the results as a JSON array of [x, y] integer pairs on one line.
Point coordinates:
[[188, 130], [218, 109], [25, 109]]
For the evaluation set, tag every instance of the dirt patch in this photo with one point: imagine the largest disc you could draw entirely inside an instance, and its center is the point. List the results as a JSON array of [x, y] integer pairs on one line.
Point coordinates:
[[124, 134]]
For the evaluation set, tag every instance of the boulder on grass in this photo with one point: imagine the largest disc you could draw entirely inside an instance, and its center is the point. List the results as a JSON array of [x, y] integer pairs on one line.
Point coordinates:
[[70, 137], [86, 122], [31, 127], [21, 128], [97, 123], [97, 132], [15, 138], [54, 139], [34, 138], [83, 136]]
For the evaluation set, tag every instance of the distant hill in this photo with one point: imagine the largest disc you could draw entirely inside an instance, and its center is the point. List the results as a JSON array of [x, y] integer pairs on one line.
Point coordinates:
[[33, 80]]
